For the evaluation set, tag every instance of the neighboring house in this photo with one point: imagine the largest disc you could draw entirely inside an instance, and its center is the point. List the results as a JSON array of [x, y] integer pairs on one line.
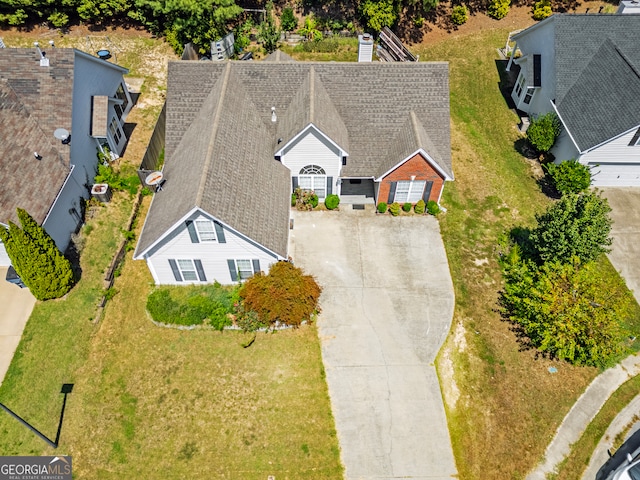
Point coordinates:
[[242, 136], [586, 68], [39, 94]]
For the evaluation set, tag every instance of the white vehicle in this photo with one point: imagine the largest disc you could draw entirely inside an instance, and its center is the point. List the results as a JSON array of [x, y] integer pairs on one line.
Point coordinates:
[[628, 471]]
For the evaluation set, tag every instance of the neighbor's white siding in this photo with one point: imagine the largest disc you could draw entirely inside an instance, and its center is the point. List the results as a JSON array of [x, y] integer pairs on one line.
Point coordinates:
[[312, 148], [539, 40], [615, 163], [213, 255], [4, 258]]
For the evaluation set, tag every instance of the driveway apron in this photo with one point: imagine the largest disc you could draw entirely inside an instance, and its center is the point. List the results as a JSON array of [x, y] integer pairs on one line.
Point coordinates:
[[17, 304], [387, 306]]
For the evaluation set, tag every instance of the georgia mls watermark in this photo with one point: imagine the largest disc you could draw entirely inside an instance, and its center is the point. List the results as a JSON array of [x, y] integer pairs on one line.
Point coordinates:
[[35, 468]]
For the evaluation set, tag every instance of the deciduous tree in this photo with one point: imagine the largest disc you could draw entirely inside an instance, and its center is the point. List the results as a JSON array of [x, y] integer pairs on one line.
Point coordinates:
[[571, 311]]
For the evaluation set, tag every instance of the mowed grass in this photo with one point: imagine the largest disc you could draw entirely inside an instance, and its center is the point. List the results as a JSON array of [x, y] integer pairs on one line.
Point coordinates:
[[503, 405], [56, 341], [166, 403]]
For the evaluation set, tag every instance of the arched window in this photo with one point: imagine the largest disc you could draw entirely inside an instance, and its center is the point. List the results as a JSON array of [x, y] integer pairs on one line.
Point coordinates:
[[313, 177], [312, 170]]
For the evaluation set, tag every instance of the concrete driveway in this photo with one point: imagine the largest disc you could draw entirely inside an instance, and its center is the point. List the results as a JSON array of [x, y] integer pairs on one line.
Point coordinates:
[[625, 252], [387, 305], [16, 306]]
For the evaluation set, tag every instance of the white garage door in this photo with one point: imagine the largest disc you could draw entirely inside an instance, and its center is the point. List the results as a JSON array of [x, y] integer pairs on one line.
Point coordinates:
[[615, 175], [4, 258]]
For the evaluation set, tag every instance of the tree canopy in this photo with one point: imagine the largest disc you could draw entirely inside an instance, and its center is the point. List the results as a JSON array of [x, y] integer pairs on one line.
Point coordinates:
[[571, 311], [577, 225], [36, 258]]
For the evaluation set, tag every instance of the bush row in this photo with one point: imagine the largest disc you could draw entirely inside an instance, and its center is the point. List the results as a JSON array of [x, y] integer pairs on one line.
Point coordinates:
[[394, 209], [285, 296]]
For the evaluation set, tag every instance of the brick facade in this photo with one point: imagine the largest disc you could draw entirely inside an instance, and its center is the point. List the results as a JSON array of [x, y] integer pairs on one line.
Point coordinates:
[[418, 166]]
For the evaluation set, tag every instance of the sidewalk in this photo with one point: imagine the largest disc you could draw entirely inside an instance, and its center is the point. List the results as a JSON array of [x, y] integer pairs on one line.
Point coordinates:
[[17, 304], [583, 412]]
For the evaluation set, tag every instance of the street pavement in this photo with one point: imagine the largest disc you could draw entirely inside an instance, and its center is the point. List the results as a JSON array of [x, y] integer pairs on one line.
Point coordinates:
[[16, 306], [387, 306]]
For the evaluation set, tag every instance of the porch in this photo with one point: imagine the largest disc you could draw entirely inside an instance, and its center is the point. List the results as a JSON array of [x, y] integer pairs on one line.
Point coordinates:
[[357, 191]]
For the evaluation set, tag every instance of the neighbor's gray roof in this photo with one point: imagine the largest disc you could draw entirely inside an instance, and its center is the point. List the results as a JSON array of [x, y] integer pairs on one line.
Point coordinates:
[[34, 101], [219, 114], [579, 37], [608, 76], [589, 50]]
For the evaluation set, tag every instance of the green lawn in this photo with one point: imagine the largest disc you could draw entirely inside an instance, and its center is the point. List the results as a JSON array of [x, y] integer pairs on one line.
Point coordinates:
[[502, 403]]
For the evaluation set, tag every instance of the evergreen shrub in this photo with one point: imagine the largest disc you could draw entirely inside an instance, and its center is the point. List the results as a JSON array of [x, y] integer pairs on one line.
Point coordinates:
[[394, 209], [382, 207], [332, 201], [406, 207], [420, 207]]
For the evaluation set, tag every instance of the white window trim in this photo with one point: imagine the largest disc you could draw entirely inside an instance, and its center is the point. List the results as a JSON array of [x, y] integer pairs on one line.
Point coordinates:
[[412, 187], [530, 92], [520, 87], [250, 262], [200, 234], [193, 265], [313, 179]]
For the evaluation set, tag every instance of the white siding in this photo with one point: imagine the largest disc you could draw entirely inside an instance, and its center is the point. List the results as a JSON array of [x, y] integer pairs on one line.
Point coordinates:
[[615, 163], [312, 148], [4, 258], [213, 255], [540, 40]]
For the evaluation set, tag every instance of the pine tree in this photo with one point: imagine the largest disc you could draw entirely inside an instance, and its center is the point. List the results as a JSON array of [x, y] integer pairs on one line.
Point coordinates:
[[36, 258]]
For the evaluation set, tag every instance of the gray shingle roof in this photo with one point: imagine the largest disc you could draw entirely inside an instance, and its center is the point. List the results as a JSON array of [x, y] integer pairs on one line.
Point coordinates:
[[34, 101], [579, 37], [224, 129], [593, 99]]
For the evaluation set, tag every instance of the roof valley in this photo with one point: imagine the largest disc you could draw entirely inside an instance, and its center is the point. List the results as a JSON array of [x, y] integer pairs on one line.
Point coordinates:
[[214, 130]]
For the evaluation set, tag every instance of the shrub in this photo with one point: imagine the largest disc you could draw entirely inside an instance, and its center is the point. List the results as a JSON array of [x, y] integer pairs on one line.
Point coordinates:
[[305, 199], [382, 207], [192, 305], [570, 176], [543, 131], [332, 201], [394, 209], [542, 10], [419, 208], [36, 259], [499, 8], [294, 198], [432, 207], [406, 207], [285, 295], [459, 14]]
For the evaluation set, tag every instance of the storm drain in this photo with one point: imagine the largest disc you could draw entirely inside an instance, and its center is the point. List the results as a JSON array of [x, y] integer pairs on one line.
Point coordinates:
[[357, 206]]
